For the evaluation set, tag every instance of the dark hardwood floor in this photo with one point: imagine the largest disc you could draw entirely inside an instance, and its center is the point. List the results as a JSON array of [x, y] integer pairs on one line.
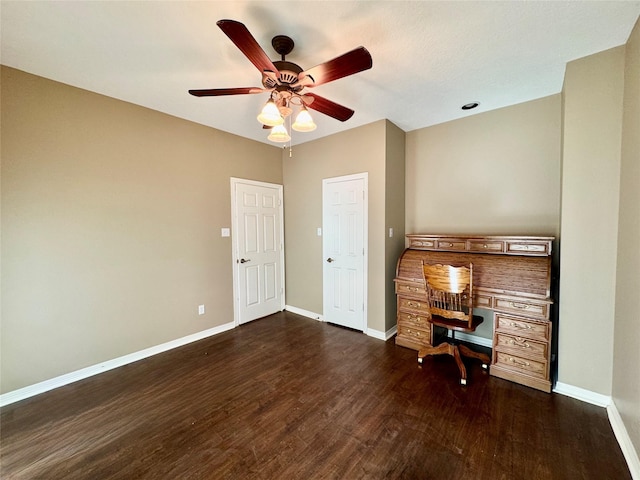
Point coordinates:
[[286, 397]]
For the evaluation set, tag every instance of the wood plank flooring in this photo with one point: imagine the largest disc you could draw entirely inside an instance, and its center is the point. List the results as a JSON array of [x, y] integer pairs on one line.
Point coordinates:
[[286, 397]]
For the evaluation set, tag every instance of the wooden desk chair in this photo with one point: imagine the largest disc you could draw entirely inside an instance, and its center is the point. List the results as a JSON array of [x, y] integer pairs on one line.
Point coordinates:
[[450, 299]]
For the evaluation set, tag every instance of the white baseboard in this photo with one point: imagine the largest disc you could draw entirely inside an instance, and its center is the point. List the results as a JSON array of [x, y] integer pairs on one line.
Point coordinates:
[[316, 316], [391, 332], [384, 336], [67, 378], [581, 394], [304, 313], [628, 450], [476, 340], [617, 425]]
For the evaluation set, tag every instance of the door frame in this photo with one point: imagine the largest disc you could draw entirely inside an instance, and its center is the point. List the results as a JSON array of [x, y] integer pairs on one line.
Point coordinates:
[[234, 247], [365, 240]]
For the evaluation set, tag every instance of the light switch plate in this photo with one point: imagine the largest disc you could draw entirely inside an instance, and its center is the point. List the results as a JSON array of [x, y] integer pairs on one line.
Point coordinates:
[[225, 232]]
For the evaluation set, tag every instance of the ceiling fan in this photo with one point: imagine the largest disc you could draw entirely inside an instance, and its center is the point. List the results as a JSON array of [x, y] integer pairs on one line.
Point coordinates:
[[287, 82]]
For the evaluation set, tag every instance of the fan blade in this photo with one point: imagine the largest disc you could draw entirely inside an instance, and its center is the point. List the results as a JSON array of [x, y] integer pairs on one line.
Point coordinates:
[[216, 92], [248, 45], [328, 107], [355, 61]]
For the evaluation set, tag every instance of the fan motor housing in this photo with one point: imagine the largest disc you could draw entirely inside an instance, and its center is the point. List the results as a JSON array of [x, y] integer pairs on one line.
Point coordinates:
[[288, 71], [288, 75]]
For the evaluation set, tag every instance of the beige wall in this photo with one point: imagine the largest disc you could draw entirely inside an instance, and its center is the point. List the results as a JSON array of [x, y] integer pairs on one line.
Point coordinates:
[[592, 127], [494, 173], [358, 150], [394, 213], [626, 341], [354, 151], [111, 217]]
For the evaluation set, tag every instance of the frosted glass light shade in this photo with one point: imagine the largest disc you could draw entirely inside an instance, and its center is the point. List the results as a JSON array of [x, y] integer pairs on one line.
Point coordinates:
[[279, 134], [304, 122], [270, 115]]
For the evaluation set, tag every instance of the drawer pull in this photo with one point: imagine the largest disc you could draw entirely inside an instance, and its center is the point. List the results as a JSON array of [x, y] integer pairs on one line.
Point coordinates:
[[485, 246], [411, 332], [521, 326], [521, 306], [412, 289], [413, 304], [415, 318], [520, 343], [522, 364]]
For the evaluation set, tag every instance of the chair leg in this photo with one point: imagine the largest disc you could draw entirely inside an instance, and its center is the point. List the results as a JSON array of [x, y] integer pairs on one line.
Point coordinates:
[[442, 349], [467, 352], [445, 349], [463, 371]]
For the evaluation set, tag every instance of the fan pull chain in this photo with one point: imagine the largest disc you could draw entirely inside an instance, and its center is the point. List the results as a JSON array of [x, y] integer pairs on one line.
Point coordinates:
[[291, 137]]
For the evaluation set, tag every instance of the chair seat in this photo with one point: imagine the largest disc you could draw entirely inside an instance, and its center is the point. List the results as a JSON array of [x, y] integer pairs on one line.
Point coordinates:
[[453, 324]]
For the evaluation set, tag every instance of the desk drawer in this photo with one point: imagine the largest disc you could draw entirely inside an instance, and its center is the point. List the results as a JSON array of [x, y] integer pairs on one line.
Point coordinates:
[[414, 320], [423, 243], [413, 305], [411, 289], [521, 364], [529, 247], [482, 301], [522, 327], [489, 246], [521, 346], [420, 335], [451, 244], [526, 307]]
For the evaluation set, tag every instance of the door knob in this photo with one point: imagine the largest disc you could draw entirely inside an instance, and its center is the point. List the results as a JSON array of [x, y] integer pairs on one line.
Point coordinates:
[[329, 259], [242, 260]]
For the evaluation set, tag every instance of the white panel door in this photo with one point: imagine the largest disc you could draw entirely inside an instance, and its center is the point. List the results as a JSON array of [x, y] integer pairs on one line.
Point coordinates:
[[344, 223], [258, 249]]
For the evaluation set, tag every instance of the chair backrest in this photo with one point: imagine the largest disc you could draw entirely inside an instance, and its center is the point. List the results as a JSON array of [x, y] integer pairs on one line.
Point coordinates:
[[450, 291]]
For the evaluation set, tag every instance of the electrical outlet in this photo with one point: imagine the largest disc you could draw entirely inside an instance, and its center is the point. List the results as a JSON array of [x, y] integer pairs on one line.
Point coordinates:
[[200, 309]]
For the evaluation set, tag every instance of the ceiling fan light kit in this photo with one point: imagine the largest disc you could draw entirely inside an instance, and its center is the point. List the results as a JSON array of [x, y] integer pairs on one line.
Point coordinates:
[[286, 81], [270, 115], [304, 122], [279, 134]]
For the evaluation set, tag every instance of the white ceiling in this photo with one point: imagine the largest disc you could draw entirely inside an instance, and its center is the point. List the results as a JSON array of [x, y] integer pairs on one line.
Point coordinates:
[[429, 58]]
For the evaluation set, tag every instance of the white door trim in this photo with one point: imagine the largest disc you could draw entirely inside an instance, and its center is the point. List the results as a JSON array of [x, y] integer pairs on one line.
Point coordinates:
[[234, 249], [364, 176]]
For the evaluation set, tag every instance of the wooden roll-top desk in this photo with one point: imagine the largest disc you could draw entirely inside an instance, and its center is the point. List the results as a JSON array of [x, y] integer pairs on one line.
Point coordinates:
[[511, 277]]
